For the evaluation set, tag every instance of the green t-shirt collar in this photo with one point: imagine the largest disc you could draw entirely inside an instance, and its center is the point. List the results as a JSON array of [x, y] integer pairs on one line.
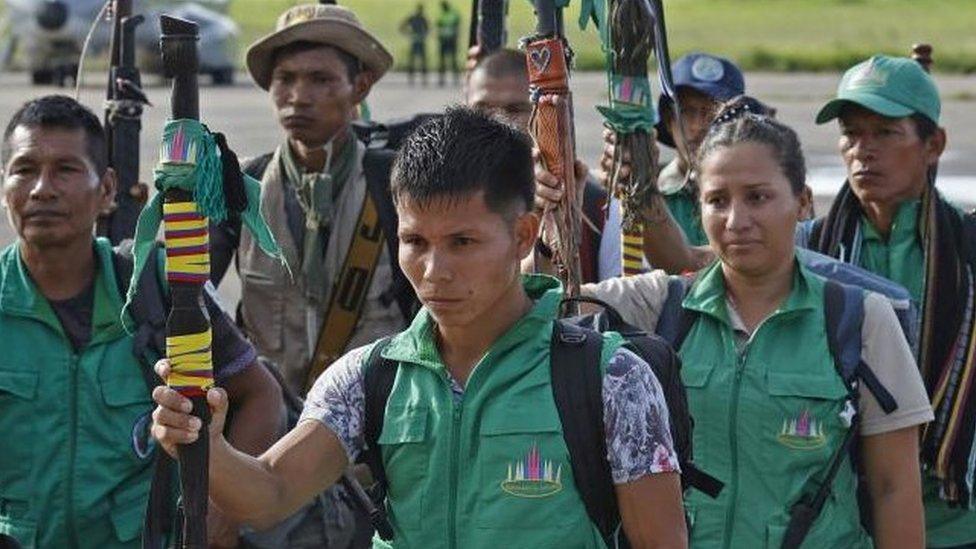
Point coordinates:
[[904, 226], [20, 295], [708, 294]]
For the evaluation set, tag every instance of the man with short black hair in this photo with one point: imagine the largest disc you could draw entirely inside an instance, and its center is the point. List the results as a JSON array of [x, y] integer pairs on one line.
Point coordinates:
[[471, 441], [74, 388]]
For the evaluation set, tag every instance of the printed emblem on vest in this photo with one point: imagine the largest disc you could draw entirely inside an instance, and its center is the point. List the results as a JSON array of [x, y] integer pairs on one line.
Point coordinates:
[[533, 477], [802, 433], [868, 77]]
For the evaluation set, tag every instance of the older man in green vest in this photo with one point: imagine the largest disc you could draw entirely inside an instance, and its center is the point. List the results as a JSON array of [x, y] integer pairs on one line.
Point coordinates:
[[75, 403], [471, 441], [891, 219]]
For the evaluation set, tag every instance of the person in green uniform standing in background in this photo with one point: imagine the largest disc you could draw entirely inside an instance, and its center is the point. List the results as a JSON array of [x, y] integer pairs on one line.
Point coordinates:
[[890, 218], [75, 403], [448, 23], [416, 28]]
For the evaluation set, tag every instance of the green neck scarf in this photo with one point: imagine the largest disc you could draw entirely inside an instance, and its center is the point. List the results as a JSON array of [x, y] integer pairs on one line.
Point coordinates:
[[190, 160], [317, 194]]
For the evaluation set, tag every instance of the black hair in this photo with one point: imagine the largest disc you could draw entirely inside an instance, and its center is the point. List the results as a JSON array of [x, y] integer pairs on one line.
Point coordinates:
[[461, 153], [63, 112], [504, 63], [925, 127], [752, 128], [352, 63]]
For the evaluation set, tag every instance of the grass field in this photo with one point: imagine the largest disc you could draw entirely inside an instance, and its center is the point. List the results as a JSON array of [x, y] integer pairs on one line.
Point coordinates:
[[760, 34]]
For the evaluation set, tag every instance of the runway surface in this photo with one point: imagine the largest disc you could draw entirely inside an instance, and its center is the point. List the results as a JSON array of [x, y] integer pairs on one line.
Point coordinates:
[[243, 112]]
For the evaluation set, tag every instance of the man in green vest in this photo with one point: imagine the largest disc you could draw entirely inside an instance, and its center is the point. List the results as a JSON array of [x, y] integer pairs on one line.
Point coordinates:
[[471, 441], [891, 219], [74, 394]]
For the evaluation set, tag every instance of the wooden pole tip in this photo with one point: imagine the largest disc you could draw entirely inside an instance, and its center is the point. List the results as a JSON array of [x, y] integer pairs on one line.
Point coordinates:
[[922, 53]]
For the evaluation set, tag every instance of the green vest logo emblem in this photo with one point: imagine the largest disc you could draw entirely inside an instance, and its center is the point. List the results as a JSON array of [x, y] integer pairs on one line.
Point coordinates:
[[802, 433], [533, 477]]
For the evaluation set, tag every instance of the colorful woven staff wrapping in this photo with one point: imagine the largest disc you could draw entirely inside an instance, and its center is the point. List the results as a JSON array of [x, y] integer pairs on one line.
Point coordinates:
[[631, 30], [190, 160], [548, 59]]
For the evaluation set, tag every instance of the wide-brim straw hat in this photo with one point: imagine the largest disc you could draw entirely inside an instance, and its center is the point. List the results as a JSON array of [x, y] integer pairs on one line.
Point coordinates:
[[321, 24]]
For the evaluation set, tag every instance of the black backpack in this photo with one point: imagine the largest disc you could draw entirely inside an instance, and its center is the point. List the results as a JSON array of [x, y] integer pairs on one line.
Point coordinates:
[[577, 385], [843, 317]]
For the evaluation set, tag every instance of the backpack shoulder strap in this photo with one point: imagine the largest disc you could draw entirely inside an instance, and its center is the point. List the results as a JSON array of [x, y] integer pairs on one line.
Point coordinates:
[[148, 308], [816, 231], [844, 316], [675, 321], [148, 312], [378, 376], [255, 167], [594, 204], [377, 165], [577, 387]]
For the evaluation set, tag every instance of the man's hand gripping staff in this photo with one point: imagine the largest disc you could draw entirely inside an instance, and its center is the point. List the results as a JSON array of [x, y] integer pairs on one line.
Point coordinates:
[[188, 330], [199, 180], [548, 58]]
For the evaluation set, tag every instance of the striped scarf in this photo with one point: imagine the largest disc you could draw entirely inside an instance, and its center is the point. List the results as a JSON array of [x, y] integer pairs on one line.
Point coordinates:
[[947, 345]]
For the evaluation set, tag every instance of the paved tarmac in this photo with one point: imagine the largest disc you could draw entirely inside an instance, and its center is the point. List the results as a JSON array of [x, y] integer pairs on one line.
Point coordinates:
[[243, 112]]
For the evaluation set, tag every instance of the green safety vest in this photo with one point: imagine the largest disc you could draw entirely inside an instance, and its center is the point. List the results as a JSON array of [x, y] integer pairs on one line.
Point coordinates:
[[70, 472], [491, 468], [447, 25], [682, 201], [767, 420]]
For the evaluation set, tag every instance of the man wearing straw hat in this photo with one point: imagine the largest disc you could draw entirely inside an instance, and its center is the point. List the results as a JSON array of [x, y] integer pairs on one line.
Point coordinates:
[[337, 291], [318, 66]]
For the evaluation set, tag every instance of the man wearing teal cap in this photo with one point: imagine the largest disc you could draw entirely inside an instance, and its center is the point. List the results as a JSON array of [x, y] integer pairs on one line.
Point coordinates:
[[891, 219]]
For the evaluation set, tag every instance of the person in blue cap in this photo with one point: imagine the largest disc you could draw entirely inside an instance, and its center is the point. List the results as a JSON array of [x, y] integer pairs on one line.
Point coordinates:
[[703, 83]]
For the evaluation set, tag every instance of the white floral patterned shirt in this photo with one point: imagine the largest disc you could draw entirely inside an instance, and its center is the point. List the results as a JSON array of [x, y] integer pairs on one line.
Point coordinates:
[[635, 414]]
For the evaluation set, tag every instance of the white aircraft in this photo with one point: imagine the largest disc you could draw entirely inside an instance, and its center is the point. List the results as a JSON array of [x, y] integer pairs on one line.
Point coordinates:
[[46, 36]]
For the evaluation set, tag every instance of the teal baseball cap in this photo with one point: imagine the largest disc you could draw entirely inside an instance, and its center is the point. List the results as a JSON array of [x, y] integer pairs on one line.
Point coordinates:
[[895, 87]]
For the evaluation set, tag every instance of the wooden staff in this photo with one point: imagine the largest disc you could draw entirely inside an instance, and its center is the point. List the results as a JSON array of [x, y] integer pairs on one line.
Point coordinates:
[[922, 54], [188, 329], [548, 57]]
